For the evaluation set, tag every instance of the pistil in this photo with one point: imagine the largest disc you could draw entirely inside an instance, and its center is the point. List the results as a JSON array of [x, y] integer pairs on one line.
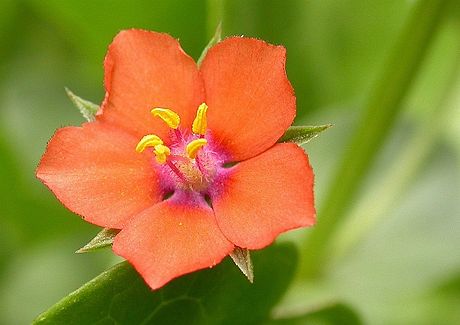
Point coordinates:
[[176, 170]]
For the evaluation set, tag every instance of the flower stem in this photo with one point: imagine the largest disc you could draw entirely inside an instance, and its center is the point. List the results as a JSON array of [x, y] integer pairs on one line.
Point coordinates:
[[380, 112], [374, 205]]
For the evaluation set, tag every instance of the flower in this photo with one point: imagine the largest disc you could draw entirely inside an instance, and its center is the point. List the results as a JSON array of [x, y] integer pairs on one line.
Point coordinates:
[[184, 159]]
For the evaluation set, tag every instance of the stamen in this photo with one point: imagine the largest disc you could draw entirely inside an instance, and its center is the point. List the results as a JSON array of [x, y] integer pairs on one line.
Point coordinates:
[[150, 140], [193, 147], [200, 123], [161, 153], [170, 117]]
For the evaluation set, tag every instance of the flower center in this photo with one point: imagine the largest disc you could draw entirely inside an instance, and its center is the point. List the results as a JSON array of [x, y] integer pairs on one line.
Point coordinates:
[[189, 162]]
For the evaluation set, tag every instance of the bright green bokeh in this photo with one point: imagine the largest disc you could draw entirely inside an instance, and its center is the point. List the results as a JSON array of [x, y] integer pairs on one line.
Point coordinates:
[[393, 260]]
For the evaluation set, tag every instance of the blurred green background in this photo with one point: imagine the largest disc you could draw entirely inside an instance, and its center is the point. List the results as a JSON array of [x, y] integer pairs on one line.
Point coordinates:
[[384, 72]]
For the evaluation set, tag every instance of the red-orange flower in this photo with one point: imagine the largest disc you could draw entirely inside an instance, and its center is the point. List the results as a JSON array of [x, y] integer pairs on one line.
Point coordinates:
[[165, 180]]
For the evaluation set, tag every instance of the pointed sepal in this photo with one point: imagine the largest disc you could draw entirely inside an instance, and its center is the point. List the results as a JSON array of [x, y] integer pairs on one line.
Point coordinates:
[[242, 259], [86, 108], [302, 134], [103, 239], [214, 40]]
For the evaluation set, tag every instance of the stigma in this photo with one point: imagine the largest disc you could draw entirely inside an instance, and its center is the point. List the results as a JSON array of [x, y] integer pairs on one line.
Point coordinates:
[[186, 156]]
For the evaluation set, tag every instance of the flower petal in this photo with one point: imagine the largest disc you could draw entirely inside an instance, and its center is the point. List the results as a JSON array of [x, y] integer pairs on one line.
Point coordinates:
[[251, 102], [95, 171], [265, 196], [171, 239], [144, 70]]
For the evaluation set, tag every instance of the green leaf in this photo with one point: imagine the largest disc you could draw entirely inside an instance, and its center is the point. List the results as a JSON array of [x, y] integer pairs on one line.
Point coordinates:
[[214, 40], [212, 296], [103, 239], [336, 313], [242, 258], [383, 106], [87, 108], [303, 134]]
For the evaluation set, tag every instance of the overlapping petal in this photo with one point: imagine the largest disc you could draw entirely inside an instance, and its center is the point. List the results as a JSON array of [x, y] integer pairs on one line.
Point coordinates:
[[265, 196], [95, 172], [144, 70], [172, 239], [251, 102]]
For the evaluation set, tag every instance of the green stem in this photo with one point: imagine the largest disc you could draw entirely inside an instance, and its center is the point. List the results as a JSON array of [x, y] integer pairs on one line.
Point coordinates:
[[380, 112], [402, 172]]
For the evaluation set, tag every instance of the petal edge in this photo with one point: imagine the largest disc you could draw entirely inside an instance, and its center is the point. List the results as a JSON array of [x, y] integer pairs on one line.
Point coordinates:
[[265, 196], [248, 94]]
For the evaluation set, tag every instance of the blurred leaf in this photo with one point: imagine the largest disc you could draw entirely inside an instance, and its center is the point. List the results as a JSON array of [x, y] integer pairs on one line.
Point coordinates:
[[212, 296], [330, 314], [302, 134], [334, 48], [103, 239], [87, 108], [380, 112], [214, 40], [89, 25], [451, 286], [242, 258], [432, 100]]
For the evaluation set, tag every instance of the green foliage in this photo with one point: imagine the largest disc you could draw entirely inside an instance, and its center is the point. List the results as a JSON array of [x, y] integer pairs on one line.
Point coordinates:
[[394, 262], [214, 296], [329, 314], [380, 113]]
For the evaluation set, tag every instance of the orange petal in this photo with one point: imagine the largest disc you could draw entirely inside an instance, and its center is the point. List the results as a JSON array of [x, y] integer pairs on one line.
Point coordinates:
[[265, 196], [144, 70], [95, 171], [171, 239], [251, 102]]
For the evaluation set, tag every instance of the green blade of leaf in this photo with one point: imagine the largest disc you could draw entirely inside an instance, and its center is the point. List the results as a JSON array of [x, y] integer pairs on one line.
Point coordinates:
[[103, 239], [86, 108], [242, 259], [214, 40], [302, 134], [213, 296], [383, 106]]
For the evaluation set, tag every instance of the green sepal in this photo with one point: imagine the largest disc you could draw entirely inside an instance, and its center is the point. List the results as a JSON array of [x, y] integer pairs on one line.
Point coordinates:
[[242, 259], [214, 40], [86, 108], [103, 239], [302, 134]]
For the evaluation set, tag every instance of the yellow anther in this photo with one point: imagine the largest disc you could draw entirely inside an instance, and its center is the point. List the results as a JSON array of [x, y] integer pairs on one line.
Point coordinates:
[[161, 153], [168, 116], [193, 147], [149, 140], [200, 123]]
